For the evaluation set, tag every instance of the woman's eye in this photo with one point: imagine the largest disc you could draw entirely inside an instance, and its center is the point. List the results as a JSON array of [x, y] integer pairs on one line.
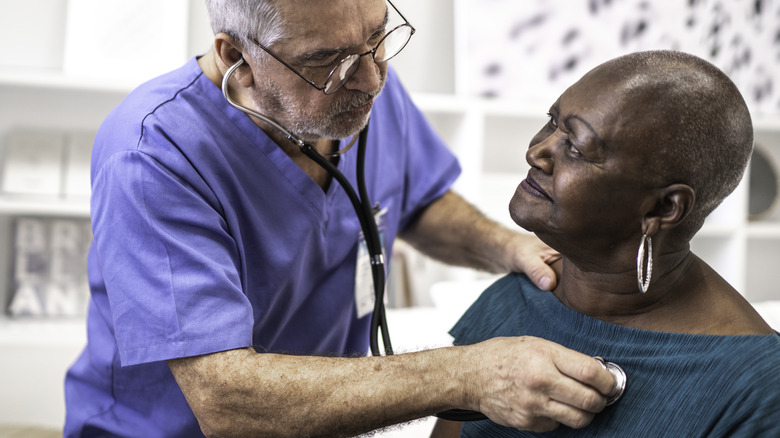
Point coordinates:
[[573, 149], [553, 121]]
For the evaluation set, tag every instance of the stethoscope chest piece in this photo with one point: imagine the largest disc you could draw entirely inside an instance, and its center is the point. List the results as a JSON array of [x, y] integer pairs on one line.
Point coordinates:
[[620, 379]]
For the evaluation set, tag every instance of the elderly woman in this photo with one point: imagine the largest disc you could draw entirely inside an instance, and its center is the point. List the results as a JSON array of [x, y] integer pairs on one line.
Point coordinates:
[[635, 156]]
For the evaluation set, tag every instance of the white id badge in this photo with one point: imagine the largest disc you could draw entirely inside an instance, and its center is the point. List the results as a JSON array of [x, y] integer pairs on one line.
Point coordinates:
[[364, 282]]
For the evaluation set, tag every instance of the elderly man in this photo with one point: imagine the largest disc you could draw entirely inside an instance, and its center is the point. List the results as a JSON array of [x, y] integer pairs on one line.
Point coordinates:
[[223, 269]]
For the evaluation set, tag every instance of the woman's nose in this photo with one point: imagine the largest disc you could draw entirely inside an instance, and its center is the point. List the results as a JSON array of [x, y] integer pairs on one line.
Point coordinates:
[[540, 154]]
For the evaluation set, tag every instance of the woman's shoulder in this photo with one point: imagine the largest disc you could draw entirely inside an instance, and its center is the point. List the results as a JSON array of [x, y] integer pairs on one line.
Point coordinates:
[[708, 304], [496, 311]]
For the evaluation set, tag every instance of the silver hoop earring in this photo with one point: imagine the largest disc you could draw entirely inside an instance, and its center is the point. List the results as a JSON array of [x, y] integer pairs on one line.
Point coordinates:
[[644, 283]]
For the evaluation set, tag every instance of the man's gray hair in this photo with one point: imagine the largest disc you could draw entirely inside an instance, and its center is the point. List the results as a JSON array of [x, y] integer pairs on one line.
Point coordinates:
[[245, 19]]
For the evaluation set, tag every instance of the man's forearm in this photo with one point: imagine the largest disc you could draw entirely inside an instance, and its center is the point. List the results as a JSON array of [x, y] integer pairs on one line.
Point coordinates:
[[243, 393], [524, 382]]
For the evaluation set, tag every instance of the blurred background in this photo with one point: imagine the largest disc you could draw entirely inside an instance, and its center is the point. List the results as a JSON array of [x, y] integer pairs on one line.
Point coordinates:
[[484, 72]]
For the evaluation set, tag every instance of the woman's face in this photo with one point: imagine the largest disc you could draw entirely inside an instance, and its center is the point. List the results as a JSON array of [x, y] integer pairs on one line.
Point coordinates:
[[585, 187]]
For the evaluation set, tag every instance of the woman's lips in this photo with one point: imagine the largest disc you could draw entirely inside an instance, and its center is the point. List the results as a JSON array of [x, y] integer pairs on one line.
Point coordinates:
[[533, 188]]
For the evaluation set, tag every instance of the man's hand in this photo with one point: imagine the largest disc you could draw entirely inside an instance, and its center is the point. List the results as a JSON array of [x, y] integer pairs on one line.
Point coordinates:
[[526, 253], [453, 231], [533, 384]]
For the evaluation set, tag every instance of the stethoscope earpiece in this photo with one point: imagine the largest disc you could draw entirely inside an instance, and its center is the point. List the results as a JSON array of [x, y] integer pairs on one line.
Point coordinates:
[[226, 92]]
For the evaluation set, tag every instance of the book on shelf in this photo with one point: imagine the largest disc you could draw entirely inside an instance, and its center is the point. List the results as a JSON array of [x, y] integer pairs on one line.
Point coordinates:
[[46, 163], [33, 162], [50, 267]]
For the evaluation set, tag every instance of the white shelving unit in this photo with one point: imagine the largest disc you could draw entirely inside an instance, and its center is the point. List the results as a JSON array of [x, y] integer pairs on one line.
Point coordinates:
[[490, 137], [38, 95]]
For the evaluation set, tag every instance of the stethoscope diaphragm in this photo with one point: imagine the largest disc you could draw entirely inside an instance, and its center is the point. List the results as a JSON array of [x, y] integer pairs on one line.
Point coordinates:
[[620, 379]]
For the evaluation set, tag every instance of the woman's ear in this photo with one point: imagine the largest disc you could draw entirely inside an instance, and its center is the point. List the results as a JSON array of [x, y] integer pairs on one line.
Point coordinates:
[[669, 208], [228, 53]]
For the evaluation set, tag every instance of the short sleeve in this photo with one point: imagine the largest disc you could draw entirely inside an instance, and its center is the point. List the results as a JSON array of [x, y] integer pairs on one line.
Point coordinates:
[[168, 262]]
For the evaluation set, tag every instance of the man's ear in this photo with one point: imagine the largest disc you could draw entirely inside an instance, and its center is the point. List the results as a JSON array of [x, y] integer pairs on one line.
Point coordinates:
[[669, 208], [228, 52]]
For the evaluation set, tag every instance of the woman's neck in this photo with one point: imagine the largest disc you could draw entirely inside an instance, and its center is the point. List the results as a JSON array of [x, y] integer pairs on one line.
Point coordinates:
[[615, 297], [685, 296]]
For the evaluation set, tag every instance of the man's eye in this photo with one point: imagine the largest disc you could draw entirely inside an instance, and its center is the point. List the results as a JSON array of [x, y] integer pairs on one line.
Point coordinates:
[[329, 62], [321, 60], [376, 37]]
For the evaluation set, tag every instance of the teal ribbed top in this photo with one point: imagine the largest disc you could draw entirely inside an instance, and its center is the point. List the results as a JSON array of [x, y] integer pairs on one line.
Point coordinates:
[[679, 385]]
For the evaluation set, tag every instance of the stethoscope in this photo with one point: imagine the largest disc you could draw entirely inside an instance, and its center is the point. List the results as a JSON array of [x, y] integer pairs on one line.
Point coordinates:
[[361, 204], [365, 215]]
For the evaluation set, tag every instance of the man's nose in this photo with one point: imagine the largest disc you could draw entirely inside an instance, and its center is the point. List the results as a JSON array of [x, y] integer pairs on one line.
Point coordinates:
[[367, 76]]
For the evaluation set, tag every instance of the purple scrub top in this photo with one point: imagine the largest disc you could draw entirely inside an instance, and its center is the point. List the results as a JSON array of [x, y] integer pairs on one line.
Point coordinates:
[[207, 237]]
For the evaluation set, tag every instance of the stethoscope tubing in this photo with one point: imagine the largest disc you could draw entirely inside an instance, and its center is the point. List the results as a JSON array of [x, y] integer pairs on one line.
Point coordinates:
[[373, 241], [363, 210]]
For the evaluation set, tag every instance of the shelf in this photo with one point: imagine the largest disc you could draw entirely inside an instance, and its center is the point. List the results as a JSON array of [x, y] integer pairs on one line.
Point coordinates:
[[44, 206], [764, 230], [534, 110], [717, 230], [489, 107], [42, 331], [441, 103], [56, 80], [766, 123]]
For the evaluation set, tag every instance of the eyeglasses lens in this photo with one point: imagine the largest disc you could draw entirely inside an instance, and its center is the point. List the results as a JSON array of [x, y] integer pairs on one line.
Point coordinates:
[[391, 45]]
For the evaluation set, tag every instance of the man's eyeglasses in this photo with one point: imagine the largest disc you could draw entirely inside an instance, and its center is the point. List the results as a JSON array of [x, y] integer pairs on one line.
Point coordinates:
[[390, 45]]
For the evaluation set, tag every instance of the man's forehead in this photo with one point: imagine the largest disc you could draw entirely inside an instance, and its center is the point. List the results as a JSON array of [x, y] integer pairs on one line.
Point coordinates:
[[333, 23]]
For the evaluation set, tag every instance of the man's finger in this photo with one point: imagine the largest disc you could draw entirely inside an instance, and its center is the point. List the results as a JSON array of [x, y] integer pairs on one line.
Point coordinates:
[[585, 370], [568, 415]]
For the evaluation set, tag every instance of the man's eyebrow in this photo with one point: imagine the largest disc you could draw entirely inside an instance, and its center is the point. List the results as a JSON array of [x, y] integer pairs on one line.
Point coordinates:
[[317, 55], [324, 53], [567, 123], [382, 26]]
